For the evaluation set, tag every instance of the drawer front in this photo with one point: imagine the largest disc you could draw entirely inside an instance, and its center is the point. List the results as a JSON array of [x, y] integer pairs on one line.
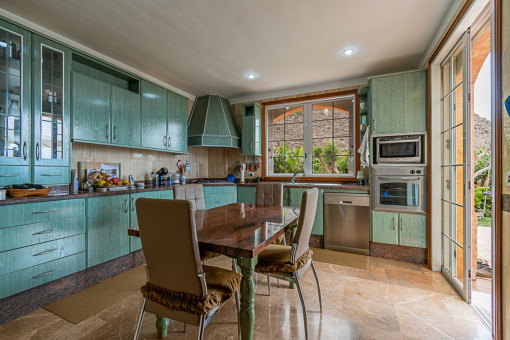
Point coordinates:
[[14, 175], [37, 275], [20, 214], [167, 194], [26, 235], [220, 190], [48, 175], [21, 258]]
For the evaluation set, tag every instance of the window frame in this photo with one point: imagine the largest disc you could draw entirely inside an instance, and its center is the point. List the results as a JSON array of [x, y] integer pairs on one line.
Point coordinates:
[[307, 131]]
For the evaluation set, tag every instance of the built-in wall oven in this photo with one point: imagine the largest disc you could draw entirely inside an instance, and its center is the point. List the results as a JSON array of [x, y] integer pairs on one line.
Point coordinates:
[[399, 148], [399, 189]]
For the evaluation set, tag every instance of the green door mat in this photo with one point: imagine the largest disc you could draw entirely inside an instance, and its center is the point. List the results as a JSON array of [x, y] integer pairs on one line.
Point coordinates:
[[90, 301]]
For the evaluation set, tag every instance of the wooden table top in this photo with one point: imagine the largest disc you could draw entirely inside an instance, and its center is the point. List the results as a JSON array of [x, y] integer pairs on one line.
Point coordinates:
[[240, 230]]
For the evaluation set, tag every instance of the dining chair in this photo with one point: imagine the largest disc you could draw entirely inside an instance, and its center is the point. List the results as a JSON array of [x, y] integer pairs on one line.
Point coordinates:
[[291, 262], [178, 286], [195, 194]]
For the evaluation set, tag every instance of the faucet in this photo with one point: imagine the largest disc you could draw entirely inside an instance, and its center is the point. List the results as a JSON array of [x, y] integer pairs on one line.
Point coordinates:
[[293, 180]]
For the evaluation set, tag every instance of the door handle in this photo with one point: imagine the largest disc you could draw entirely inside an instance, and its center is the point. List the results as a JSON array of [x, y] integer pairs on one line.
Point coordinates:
[[24, 151], [43, 232], [37, 151], [401, 226], [133, 203], [115, 132], [51, 175], [126, 209], [393, 223], [44, 274], [13, 175], [107, 131], [45, 252], [164, 140], [44, 211], [345, 202], [169, 141], [399, 178]]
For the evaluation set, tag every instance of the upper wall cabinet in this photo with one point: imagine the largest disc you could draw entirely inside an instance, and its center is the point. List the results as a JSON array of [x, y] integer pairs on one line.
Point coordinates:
[[177, 117], [252, 130], [15, 103], [91, 109], [125, 117], [398, 103], [51, 67], [154, 116]]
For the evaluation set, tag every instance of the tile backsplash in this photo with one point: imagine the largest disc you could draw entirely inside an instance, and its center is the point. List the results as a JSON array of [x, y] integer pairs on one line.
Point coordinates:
[[205, 162]]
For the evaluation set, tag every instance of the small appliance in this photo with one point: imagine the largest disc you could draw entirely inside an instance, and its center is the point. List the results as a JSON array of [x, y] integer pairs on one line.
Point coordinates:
[[399, 148]]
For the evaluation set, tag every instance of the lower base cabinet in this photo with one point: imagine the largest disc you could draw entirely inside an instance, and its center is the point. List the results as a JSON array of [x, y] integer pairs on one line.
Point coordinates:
[[399, 229], [246, 195], [134, 242], [108, 220], [216, 196]]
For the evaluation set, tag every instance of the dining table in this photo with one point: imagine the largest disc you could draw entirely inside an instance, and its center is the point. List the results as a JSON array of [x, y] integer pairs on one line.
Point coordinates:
[[241, 231]]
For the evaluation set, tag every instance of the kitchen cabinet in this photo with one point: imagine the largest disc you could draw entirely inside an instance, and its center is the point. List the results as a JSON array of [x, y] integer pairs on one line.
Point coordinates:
[[398, 102], [292, 197], [167, 194], [15, 103], [134, 242], [246, 194], [399, 229], [107, 224], [90, 109], [177, 129], [125, 115], [252, 130], [216, 196], [154, 115]]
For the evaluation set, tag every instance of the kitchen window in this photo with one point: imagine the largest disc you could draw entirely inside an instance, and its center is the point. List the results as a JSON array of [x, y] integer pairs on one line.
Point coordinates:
[[316, 137]]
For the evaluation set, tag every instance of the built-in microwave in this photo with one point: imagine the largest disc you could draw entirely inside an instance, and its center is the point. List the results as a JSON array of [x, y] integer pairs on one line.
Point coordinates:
[[399, 189], [399, 149]]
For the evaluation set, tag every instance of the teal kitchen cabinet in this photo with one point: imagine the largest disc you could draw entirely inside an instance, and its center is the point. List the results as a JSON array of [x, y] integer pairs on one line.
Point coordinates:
[[134, 242], [154, 114], [252, 130], [246, 194], [398, 102], [292, 197], [15, 104], [90, 109], [125, 115], [167, 194], [399, 229], [413, 230], [384, 227], [107, 224], [216, 196], [177, 129]]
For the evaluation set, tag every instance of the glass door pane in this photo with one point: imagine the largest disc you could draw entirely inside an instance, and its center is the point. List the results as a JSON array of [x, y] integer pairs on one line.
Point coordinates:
[[10, 94], [52, 85], [454, 124]]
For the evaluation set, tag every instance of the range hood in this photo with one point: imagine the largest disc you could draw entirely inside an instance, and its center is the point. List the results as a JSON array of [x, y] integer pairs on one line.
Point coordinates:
[[212, 123]]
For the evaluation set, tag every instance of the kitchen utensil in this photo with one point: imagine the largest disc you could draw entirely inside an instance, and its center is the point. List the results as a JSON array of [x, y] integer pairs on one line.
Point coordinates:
[[28, 192], [231, 178], [2, 194]]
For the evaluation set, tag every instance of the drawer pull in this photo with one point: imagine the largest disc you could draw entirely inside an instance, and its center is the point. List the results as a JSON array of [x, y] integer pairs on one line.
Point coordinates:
[[51, 175], [44, 211], [43, 232], [45, 252], [14, 175], [44, 274]]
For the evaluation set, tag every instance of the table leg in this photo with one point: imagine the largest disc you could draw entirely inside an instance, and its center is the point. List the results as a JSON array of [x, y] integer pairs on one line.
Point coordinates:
[[162, 326], [247, 313]]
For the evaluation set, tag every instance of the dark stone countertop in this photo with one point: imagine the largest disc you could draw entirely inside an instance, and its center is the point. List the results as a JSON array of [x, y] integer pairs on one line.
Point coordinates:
[[321, 185]]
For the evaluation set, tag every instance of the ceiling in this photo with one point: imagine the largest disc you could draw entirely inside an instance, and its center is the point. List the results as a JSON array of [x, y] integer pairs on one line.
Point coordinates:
[[205, 46]]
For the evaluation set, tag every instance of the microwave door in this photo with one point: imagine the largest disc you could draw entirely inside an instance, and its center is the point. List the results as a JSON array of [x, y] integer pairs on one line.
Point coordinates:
[[398, 151]]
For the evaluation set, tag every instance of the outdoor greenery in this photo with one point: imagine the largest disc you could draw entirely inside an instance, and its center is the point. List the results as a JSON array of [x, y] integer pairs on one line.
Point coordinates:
[[325, 160], [480, 200], [482, 167]]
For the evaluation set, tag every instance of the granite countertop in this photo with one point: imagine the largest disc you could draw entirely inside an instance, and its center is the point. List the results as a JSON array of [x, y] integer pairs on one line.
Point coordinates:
[[86, 194]]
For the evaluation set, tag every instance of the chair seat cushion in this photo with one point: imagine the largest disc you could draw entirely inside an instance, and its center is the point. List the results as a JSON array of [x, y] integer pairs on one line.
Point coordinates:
[[221, 284], [207, 255], [276, 259]]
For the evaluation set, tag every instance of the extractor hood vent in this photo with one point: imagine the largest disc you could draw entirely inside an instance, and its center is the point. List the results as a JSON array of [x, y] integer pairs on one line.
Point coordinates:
[[212, 123]]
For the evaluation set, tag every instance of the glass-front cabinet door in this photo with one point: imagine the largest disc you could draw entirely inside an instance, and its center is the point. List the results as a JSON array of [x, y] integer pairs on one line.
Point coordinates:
[[51, 104], [14, 104]]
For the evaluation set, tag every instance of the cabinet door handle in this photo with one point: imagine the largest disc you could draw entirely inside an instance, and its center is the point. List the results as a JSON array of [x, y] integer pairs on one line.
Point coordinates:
[[115, 132], [44, 274], [133, 203], [375, 126], [107, 131], [126, 209], [25, 151], [37, 151], [169, 141], [43, 211], [43, 232], [251, 146], [401, 226], [51, 175], [13, 175], [164, 140], [45, 252], [393, 223]]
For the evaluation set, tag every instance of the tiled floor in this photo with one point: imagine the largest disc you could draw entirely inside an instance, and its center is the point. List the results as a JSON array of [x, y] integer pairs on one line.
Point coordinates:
[[369, 298]]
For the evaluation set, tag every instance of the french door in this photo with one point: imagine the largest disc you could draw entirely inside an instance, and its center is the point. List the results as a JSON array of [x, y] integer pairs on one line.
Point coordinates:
[[456, 168]]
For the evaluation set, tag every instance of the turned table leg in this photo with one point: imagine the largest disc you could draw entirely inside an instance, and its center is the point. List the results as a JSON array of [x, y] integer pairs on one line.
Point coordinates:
[[162, 326], [247, 313]]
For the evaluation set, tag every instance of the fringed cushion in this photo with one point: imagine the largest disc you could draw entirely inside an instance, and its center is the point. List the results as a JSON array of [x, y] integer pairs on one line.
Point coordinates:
[[207, 255], [276, 259], [280, 240], [221, 284]]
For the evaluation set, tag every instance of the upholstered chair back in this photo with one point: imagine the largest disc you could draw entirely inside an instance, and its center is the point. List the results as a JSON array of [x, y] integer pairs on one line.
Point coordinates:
[[191, 192], [305, 221], [269, 194]]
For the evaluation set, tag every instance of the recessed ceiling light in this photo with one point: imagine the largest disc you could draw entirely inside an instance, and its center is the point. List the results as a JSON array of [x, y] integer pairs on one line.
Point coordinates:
[[251, 76], [348, 51]]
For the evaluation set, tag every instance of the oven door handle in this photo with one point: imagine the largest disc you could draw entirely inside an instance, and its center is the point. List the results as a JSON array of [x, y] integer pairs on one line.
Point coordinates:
[[399, 178], [398, 141]]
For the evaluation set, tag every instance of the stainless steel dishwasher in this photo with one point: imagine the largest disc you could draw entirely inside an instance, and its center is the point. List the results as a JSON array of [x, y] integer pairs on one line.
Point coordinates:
[[347, 222]]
